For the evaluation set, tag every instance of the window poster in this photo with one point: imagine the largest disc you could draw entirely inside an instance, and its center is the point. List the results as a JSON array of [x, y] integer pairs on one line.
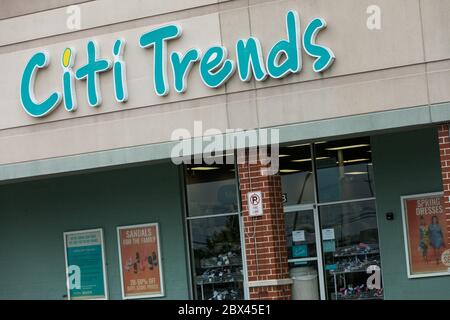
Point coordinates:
[[140, 261], [85, 265], [427, 241]]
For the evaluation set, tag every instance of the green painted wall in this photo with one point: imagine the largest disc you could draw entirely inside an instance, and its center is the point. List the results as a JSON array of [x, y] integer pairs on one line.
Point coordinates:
[[405, 163], [34, 215]]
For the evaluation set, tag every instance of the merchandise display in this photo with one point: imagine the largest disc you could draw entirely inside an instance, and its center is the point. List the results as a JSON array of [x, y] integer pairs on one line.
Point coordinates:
[[356, 250], [348, 271], [229, 258], [358, 293], [225, 295], [221, 278], [351, 251]]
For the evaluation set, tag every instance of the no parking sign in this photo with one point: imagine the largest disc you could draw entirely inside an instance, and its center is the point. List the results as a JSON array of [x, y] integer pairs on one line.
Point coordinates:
[[255, 206]]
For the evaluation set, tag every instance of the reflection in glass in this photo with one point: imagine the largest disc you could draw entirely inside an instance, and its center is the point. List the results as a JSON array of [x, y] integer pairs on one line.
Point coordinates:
[[211, 189], [350, 246], [216, 257], [297, 180], [344, 170]]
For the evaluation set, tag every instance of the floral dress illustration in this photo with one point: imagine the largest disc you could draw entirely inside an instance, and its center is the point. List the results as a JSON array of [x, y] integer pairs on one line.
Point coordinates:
[[424, 240]]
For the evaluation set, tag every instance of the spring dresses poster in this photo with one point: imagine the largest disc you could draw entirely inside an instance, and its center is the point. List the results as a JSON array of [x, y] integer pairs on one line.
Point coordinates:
[[426, 235]]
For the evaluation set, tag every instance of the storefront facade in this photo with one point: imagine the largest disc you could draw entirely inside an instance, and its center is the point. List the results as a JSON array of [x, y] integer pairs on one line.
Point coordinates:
[[95, 101]]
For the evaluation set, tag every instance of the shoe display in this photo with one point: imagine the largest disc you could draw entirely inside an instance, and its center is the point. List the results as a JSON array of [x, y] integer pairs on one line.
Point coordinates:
[[220, 277], [347, 271], [358, 293], [216, 258], [224, 259], [225, 295], [357, 250], [355, 264]]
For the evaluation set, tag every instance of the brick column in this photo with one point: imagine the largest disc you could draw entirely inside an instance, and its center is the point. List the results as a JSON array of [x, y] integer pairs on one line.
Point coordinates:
[[444, 150], [265, 243]]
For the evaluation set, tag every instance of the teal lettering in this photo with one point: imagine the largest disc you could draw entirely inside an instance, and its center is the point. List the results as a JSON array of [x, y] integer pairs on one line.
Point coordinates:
[[215, 68], [181, 67], [67, 61], [289, 47], [158, 40], [90, 72], [324, 56], [119, 72], [39, 60], [250, 58]]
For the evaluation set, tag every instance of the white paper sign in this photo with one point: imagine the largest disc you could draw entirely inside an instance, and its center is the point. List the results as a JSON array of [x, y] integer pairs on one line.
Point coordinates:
[[298, 235], [255, 205], [328, 234]]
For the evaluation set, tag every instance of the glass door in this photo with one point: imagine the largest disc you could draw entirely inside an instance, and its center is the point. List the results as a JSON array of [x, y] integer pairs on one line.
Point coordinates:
[[304, 253]]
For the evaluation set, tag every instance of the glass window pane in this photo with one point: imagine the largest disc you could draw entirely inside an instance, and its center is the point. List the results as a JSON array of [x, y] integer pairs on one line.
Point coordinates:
[[297, 179], [217, 258], [350, 246], [300, 234], [211, 189], [344, 170]]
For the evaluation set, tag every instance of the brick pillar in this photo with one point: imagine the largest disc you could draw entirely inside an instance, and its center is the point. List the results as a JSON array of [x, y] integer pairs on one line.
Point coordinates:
[[265, 243], [444, 150]]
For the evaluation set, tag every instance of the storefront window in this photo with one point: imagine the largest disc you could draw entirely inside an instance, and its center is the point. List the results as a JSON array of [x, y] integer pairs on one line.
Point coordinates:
[[350, 248], [213, 222], [332, 238], [296, 174], [210, 189], [344, 170], [217, 259]]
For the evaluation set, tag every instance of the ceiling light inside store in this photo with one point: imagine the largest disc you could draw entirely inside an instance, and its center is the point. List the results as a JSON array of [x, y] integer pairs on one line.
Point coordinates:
[[299, 145], [301, 160], [347, 147], [356, 160], [307, 160], [204, 168], [289, 170], [220, 155], [356, 173], [284, 155]]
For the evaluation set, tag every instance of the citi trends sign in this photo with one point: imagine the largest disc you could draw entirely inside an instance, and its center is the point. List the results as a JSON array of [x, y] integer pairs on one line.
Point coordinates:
[[215, 67]]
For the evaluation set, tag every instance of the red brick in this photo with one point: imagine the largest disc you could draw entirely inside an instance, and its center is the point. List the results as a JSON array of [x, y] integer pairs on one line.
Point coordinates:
[[269, 260]]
